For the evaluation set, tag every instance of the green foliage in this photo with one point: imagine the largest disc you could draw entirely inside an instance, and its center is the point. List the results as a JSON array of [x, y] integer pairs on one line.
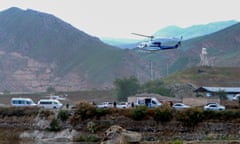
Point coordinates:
[[87, 138], [156, 86], [222, 95], [222, 115], [100, 112], [163, 114], [51, 90], [91, 126], [54, 125], [190, 117], [139, 112], [126, 87], [63, 115], [83, 111], [176, 142]]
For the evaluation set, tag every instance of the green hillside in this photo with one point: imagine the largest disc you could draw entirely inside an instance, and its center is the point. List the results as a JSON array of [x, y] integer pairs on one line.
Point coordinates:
[[207, 76], [223, 48]]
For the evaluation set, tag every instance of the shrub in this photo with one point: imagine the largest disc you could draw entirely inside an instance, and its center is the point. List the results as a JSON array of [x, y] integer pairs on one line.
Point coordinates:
[[44, 113], [100, 112], [139, 112], [177, 142], [83, 111], [163, 114], [190, 117], [54, 125], [63, 115], [87, 138], [91, 126]]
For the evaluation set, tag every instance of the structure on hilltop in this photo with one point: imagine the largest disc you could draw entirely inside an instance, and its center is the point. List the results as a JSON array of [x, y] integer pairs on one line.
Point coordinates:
[[204, 58]]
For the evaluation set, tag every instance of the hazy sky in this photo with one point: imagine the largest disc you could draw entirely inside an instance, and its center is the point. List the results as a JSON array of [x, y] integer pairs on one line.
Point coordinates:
[[119, 18]]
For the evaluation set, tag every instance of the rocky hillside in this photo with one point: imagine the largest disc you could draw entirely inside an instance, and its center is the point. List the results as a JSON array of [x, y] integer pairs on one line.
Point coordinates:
[[38, 50]]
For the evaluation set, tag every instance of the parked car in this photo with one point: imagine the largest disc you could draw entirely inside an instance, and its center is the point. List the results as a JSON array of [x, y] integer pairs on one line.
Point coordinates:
[[179, 106], [123, 105], [22, 102], [214, 106], [56, 97], [105, 105], [50, 103]]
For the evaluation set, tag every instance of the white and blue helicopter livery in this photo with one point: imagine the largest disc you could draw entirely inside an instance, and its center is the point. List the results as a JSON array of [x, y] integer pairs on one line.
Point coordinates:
[[153, 45]]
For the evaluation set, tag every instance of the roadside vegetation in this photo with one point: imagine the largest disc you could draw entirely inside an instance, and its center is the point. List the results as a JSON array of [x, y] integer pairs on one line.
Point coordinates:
[[130, 86], [92, 121]]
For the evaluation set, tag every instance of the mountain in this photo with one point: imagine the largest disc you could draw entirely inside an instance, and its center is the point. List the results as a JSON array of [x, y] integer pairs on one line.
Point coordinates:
[[38, 50], [121, 43], [223, 50], [175, 32], [195, 30]]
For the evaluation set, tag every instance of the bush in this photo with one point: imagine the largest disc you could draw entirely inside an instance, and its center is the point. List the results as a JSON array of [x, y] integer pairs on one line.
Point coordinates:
[[54, 125], [190, 117], [63, 115], [139, 112], [163, 114], [87, 138], [91, 126], [100, 112], [45, 113], [83, 111]]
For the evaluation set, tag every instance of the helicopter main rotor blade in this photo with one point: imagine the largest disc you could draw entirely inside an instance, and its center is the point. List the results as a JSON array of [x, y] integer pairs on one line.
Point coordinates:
[[151, 37]]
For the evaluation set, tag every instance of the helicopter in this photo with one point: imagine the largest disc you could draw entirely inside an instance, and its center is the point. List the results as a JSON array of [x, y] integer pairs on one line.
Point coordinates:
[[155, 44]]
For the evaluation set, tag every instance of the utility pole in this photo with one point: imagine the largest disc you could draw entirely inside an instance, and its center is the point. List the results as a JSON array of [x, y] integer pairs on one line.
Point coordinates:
[[151, 70]]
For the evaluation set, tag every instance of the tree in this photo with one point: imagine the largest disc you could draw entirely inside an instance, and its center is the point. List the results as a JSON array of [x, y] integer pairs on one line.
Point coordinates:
[[222, 95], [51, 90], [157, 87], [126, 87]]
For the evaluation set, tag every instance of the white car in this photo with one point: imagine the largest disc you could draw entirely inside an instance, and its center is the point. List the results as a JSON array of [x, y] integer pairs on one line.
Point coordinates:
[[214, 106], [178, 106], [123, 105], [105, 105], [56, 97]]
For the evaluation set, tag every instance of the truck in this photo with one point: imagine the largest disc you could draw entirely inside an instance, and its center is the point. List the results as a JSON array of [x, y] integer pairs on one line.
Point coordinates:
[[147, 101]]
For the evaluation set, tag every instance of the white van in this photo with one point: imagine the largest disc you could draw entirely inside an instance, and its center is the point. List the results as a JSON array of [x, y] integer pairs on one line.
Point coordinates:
[[147, 101], [22, 102], [50, 103]]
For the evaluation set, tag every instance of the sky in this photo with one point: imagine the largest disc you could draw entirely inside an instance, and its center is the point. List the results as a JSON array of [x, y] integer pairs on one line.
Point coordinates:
[[120, 18]]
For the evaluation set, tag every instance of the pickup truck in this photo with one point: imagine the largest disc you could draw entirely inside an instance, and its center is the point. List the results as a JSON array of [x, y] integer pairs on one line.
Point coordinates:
[[105, 105]]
